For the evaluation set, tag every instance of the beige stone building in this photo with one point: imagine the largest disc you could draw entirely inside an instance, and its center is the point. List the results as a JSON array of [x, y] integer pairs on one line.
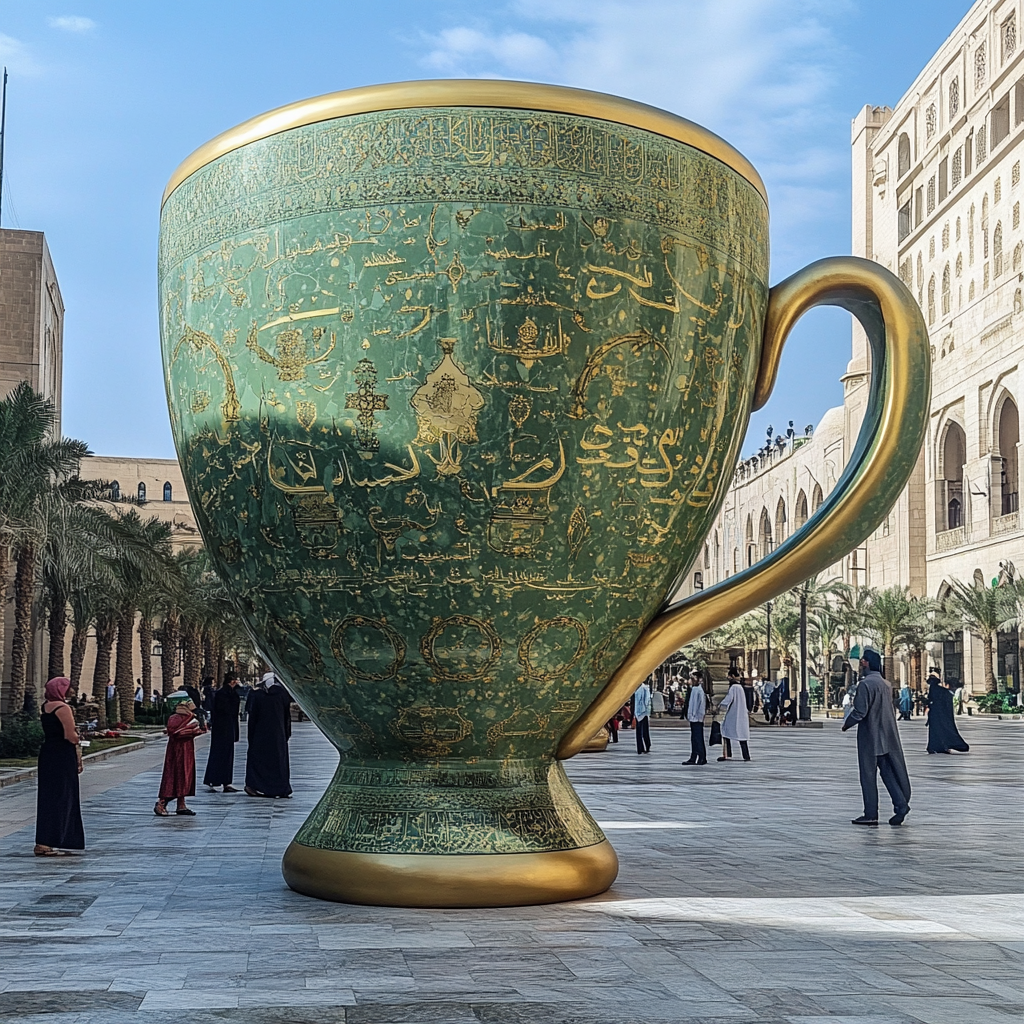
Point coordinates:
[[937, 197]]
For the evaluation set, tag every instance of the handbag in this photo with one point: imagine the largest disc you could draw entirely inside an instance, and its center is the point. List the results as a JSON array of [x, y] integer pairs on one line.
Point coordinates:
[[716, 733]]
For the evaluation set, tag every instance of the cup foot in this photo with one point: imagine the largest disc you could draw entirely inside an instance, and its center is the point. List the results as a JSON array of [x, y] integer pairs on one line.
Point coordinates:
[[450, 880]]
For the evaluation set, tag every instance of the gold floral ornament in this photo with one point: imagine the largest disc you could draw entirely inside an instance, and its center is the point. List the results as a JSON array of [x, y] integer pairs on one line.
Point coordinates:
[[292, 357], [447, 406]]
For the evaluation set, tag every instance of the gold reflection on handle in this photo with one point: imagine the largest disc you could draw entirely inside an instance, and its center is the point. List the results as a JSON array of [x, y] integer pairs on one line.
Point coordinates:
[[888, 446]]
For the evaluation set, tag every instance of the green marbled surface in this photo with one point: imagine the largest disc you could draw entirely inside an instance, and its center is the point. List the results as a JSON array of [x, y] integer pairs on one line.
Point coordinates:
[[457, 395]]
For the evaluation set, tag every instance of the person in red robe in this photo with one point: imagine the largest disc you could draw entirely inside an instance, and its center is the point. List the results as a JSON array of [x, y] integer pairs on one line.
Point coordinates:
[[179, 778]]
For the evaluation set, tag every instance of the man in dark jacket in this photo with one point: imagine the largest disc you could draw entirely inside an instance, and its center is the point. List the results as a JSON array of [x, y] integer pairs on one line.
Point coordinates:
[[879, 751]]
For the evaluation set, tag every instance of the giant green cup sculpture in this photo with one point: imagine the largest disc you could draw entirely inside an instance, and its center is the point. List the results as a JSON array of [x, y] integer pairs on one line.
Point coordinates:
[[458, 373]]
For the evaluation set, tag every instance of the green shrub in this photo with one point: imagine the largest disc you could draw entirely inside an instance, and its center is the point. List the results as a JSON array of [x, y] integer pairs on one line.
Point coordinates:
[[998, 703], [20, 737]]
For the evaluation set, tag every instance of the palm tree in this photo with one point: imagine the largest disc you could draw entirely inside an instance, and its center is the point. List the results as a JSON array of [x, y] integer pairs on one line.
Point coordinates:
[[981, 611], [888, 614], [31, 460], [826, 628], [748, 632], [786, 632], [852, 607]]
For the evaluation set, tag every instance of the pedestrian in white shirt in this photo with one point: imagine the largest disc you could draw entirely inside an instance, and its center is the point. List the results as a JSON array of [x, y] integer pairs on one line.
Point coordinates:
[[696, 709], [642, 717], [736, 725], [657, 703]]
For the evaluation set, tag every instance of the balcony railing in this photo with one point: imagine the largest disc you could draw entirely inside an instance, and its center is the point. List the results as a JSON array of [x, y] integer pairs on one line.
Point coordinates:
[[1002, 525], [947, 540]]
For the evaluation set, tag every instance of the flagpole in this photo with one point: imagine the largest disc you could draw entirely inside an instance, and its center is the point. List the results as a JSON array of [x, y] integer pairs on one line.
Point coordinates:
[[3, 127]]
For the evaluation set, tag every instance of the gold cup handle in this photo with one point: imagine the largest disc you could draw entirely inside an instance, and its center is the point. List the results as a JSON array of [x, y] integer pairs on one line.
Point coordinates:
[[887, 448]]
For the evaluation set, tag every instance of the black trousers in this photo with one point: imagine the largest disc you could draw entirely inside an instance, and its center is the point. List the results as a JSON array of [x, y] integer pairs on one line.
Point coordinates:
[[743, 748], [698, 752], [890, 779], [613, 729], [643, 735]]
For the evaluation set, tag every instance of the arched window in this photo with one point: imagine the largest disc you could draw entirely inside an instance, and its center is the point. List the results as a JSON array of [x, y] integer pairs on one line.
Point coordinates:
[[816, 498], [980, 68], [801, 510], [981, 146], [954, 454], [1018, 255], [115, 490], [781, 522], [945, 291], [931, 300], [920, 280], [751, 550], [954, 98], [997, 248], [931, 121], [142, 491], [765, 543], [903, 155], [1009, 436], [959, 264], [168, 491], [970, 235]]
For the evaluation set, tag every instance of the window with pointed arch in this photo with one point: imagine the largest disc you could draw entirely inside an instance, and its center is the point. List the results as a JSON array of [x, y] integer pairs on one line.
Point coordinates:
[[168, 491], [997, 249], [1008, 434], [801, 510], [115, 490], [954, 98], [946, 295], [931, 300], [903, 154], [142, 491], [980, 68]]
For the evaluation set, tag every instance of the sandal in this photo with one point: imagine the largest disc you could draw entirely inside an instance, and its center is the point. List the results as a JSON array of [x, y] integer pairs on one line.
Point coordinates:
[[160, 810], [186, 810], [230, 789], [48, 851]]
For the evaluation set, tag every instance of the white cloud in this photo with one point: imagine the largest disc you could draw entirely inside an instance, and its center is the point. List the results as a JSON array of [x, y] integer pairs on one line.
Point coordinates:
[[17, 57], [72, 23]]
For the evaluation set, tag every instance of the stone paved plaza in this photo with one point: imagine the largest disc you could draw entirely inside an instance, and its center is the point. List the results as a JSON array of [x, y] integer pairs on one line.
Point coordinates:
[[744, 895]]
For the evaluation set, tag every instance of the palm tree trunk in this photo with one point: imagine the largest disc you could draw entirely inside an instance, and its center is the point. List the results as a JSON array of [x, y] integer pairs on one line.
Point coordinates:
[[5, 569], [209, 654], [57, 626], [990, 676], [890, 664], [79, 639], [106, 628], [146, 652], [193, 653], [171, 636], [22, 697], [123, 682]]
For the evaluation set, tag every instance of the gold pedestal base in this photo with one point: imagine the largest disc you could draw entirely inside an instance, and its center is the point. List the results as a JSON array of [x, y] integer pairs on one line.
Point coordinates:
[[452, 880]]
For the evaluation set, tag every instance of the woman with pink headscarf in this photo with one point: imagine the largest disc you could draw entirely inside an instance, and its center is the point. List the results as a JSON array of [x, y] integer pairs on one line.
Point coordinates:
[[58, 810]]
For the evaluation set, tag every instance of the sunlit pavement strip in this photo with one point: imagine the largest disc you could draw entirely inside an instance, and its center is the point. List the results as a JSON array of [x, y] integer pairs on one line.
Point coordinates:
[[744, 896]]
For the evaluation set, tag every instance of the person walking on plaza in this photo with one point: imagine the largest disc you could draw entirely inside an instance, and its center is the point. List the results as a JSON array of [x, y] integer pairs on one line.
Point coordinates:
[[879, 751], [657, 703], [179, 777], [696, 709], [736, 724], [642, 716], [220, 766], [269, 728], [943, 735], [906, 703], [58, 806], [613, 728]]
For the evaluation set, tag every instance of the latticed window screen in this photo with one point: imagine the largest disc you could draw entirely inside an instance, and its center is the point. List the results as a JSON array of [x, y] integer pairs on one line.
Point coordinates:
[[959, 264], [945, 291], [931, 194], [931, 248], [907, 272], [997, 190], [958, 229], [945, 236], [954, 98], [1016, 216], [980, 68], [970, 236], [981, 146], [931, 300], [1009, 37], [958, 167], [997, 248], [1015, 175], [931, 120], [1018, 251]]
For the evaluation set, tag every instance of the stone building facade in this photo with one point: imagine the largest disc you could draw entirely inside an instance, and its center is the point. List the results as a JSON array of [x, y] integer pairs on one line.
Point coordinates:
[[937, 196]]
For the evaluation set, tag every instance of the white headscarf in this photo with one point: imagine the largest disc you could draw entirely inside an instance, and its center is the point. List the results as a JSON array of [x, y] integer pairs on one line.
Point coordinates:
[[269, 680]]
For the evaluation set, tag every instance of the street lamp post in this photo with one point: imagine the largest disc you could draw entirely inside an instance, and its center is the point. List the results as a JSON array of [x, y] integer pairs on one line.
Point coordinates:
[[768, 639], [805, 699]]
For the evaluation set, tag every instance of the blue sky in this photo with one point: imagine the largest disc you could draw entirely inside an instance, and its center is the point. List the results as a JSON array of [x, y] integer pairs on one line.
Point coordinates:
[[105, 100]]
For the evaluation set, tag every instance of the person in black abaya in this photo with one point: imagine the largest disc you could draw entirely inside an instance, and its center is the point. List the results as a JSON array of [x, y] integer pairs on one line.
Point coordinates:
[[943, 736], [220, 765], [269, 728]]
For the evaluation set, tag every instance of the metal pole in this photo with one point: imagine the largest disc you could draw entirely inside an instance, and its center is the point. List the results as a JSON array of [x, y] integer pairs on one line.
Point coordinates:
[[768, 657], [3, 132], [805, 698]]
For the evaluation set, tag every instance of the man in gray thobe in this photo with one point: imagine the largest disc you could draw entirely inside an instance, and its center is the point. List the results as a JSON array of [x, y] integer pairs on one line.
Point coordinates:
[[879, 751]]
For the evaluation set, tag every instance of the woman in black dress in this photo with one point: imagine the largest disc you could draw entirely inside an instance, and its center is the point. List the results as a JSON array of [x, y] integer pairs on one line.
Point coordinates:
[[220, 766], [58, 811], [267, 771], [943, 735]]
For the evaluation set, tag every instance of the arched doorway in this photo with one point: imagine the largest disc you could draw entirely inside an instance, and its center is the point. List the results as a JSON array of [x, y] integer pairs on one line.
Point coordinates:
[[801, 510], [765, 544], [1009, 435], [954, 455]]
